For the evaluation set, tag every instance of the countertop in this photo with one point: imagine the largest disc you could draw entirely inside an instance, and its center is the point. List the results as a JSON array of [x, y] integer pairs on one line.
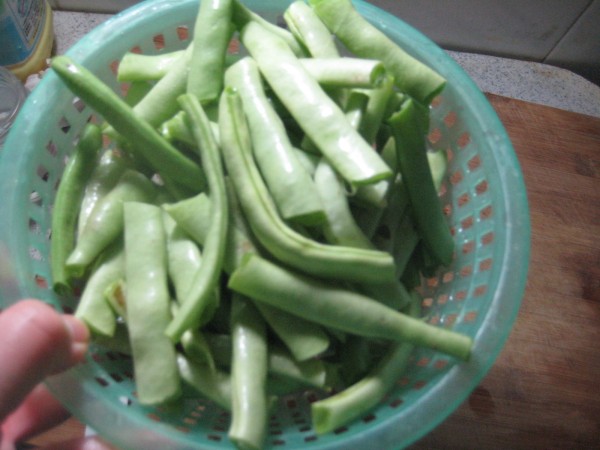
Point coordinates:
[[542, 392]]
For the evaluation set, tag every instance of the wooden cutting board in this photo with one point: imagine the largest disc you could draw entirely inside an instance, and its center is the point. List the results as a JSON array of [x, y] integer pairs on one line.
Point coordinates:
[[543, 392]]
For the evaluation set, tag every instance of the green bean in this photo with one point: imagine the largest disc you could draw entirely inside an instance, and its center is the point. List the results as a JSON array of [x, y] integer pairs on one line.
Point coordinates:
[[366, 41], [314, 373], [410, 134], [438, 164], [196, 348], [213, 384], [68, 203], [292, 188], [317, 39], [310, 31], [183, 257], [118, 342], [249, 412], [104, 177], [148, 311], [193, 308], [242, 16], [136, 92], [176, 129], [316, 113], [212, 32], [146, 141], [194, 216], [302, 338], [334, 307], [377, 194], [93, 308], [115, 296], [405, 244], [340, 229], [105, 224], [161, 102], [392, 294], [376, 108], [345, 72], [351, 403], [140, 67], [285, 244]]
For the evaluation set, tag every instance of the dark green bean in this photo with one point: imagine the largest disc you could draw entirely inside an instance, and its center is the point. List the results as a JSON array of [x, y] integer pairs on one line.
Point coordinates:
[[410, 134], [67, 204], [146, 141], [193, 308], [338, 308]]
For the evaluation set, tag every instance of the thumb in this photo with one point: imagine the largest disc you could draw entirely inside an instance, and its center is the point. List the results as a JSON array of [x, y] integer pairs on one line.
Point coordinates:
[[35, 341]]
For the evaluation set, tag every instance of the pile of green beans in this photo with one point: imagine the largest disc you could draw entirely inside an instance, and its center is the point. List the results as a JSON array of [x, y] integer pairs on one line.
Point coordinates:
[[258, 225]]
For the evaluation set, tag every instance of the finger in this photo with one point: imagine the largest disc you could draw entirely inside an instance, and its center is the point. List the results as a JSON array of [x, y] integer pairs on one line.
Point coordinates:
[[88, 443], [35, 341], [39, 412]]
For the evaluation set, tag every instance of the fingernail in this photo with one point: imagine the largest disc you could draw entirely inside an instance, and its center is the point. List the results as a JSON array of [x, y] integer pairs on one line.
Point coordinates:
[[79, 332]]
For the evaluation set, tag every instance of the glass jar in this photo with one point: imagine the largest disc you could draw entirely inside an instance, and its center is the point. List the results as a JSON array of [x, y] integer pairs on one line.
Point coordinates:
[[12, 97]]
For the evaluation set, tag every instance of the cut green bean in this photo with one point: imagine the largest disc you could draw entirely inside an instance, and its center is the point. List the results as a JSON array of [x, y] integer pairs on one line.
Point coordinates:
[[196, 348], [377, 194], [93, 308], [136, 92], [197, 301], [242, 16], [438, 165], [345, 72], [310, 31], [105, 224], [292, 188], [317, 114], [118, 342], [183, 258], [194, 216], [104, 177], [140, 67], [376, 108], [67, 204], [366, 41], [161, 102], [213, 384], [285, 244], [148, 312], [302, 338], [338, 308], [250, 403], [357, 400], [115, 296], [146, 141], [410, 134], [340, 229], [314, 373], [213, 29]]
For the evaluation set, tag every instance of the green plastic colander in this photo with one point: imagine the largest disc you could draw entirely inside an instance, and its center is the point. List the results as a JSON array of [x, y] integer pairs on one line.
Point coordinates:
[[483, 196]]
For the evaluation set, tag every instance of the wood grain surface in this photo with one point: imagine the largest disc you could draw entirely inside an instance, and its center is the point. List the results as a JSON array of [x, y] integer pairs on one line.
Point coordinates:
[[543, 391]]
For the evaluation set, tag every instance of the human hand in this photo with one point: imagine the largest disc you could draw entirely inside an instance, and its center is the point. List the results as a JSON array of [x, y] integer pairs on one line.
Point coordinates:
[[36, 342]]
